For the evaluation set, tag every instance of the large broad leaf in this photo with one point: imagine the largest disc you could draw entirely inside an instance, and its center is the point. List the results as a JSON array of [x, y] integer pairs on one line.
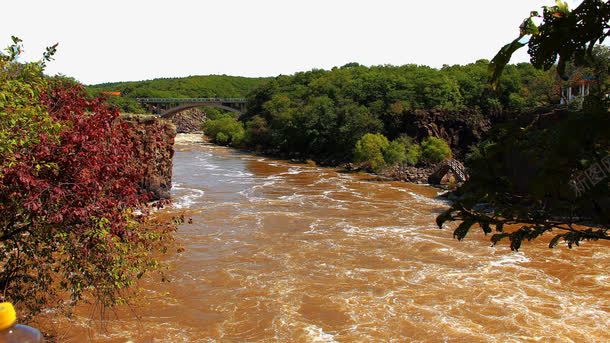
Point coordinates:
[[497, 64]]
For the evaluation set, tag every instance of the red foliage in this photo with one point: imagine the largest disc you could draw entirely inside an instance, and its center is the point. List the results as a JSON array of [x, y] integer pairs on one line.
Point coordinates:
[[92, 171]]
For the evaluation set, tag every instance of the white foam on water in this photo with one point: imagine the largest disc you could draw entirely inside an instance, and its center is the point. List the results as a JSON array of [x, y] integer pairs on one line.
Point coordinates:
[[248, 194], [317, 335], [313, 227], [602, 279], [511, 259], [411, 234], [268, 183], [385, 230], [238, 181], [207, 165], [187, 200], [328, 195], [185, 138], [237, 174], [293, 197], [293, 171], [430, 201]]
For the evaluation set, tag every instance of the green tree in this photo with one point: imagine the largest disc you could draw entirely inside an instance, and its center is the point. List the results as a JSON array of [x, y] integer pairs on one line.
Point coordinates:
[[200, 86], [412, 149], [562, 37], [225, 130], [369, 150], [222, 138], [23, 119], [413, 154], [354, 121], [257, 132], [435, 149], [395, 153]]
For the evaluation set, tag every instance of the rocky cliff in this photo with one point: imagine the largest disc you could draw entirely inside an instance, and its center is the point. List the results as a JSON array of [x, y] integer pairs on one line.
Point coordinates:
[[154, 139], [189, 121], [460, 129]]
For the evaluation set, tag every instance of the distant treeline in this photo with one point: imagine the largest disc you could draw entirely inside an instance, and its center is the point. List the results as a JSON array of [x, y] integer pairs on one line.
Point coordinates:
[[204, 86]]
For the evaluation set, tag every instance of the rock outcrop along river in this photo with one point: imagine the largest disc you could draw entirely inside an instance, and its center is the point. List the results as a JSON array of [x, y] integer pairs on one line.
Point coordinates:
[[293, 253]]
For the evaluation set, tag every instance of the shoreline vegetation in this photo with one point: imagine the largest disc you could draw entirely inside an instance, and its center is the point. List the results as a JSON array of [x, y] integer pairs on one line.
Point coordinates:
[[74, 195], [416, 175]]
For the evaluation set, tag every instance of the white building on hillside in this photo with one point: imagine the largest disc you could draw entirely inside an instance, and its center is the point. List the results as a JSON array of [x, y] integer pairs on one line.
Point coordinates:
[[575, 88]]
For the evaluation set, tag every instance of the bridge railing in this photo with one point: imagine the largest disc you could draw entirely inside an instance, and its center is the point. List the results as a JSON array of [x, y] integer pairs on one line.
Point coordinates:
[[458, 169], [191, 100]]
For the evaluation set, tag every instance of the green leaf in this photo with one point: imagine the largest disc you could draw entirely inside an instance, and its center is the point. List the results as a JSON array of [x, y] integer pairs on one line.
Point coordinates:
[[528, 27], [562, 6], [499, 62]]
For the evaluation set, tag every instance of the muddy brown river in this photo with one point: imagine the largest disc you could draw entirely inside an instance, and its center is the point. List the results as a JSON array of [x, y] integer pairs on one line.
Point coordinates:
[[281, 252]]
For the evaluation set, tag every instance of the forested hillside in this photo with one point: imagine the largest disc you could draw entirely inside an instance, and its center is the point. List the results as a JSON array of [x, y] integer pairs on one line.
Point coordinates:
[[202, 86], [388, 89], [323, 113]]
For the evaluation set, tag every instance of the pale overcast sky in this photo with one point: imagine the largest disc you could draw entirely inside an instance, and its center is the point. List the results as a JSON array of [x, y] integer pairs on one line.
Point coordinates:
[[120, 40]]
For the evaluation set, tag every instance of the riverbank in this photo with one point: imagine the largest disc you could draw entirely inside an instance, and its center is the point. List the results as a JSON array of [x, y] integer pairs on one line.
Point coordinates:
[[401, 172]]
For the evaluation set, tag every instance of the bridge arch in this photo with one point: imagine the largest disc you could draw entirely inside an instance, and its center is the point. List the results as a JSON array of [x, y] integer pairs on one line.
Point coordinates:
[[168, 107], [169, 113], [446, 168]]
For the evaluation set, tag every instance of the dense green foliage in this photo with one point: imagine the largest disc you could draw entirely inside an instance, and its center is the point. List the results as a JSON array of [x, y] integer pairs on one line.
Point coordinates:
[[323, 114], [22, 117], [552, 172], [375, 151], [434, 150], [225, 130], [204, 86], [69, 172], [370, 150], [125, 104], [395, 153], [412, 149]]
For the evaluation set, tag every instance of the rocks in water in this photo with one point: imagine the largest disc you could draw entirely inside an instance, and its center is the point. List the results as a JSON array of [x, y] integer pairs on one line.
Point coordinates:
[[460, 129]]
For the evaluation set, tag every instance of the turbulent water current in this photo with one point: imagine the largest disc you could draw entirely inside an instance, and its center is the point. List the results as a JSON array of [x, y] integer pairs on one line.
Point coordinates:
[[283, 252]]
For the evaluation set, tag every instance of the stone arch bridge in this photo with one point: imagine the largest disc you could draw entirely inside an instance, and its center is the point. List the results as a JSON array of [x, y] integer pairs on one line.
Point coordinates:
[[167, 107], [448, 168]]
